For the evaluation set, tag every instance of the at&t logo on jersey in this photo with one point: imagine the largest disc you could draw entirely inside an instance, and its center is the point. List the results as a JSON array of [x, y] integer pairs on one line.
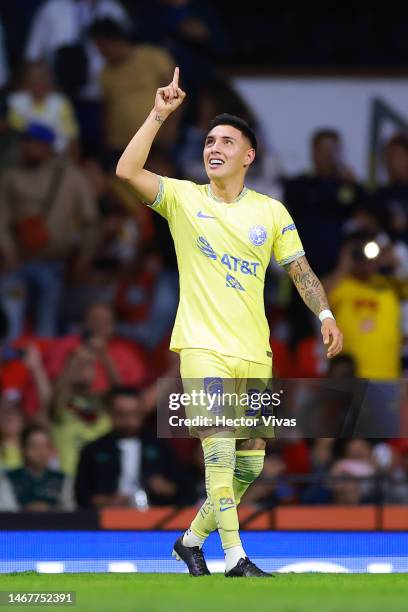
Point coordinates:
[[258, 235], [234, 264]]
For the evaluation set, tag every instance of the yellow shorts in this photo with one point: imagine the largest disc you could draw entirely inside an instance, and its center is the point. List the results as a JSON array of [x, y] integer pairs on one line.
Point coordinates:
[[230, 378]]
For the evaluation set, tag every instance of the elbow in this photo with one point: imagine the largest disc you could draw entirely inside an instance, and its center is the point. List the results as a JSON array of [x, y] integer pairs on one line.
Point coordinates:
[[121, 171]]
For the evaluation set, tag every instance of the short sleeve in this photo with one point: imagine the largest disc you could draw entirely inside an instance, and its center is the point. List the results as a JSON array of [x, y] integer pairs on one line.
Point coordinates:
[[169, 197], [287, 246]]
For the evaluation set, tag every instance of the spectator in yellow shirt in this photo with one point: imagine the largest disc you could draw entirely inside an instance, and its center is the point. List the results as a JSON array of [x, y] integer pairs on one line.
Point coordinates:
[[129, 80], [38, 101], [367, 308]]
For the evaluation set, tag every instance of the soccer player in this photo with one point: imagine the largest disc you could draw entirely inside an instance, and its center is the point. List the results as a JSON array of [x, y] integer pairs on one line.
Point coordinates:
[[224, 236]]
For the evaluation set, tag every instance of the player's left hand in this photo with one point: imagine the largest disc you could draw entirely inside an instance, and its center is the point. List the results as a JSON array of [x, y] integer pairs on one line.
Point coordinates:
[[329, 330]]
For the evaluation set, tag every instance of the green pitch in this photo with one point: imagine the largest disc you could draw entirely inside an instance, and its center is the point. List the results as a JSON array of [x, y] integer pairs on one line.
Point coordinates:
[[174, 593]]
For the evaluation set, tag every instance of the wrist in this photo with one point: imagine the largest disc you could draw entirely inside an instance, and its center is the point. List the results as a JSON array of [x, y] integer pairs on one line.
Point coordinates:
[[326, 314], [158, 117]]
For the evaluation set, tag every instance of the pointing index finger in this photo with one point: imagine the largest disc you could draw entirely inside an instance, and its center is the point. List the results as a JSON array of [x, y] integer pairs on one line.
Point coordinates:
[[176, 77]]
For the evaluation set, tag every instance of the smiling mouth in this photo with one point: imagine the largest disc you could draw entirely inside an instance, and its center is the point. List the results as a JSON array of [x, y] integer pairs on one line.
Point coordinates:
[[215, 163]]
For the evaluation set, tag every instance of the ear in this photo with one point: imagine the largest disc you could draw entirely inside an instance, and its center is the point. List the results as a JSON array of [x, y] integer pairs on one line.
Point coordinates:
[[249, 157]]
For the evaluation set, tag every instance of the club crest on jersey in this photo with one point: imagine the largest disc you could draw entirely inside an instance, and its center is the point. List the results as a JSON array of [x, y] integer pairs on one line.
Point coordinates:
[[258, 235]]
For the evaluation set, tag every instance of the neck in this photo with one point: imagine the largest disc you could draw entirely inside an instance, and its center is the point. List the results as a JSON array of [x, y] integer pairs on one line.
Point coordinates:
[[228, 190]]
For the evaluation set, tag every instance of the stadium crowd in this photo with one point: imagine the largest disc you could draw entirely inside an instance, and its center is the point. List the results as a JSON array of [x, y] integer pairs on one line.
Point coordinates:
[[88, 275]]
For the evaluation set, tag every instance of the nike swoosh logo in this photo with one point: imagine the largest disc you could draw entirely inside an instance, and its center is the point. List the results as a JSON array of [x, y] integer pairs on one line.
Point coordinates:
[[203, 216], [228, 508]]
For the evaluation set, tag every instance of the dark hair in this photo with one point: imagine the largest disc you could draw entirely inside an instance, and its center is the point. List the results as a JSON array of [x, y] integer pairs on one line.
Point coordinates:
[[236, 122], [108, 28], [120, 391], [325, 133], [399, 140], [29, 430]]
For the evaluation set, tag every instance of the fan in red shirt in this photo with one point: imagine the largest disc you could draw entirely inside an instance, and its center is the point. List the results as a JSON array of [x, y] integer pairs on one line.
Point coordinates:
[[117, 358]]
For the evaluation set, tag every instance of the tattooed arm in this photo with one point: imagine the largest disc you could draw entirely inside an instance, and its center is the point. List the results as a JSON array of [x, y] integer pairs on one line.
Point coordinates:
[[131, 164], [312, 293]]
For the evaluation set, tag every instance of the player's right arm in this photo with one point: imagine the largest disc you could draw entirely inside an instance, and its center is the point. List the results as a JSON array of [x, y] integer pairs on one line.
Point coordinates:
[[131, 164]]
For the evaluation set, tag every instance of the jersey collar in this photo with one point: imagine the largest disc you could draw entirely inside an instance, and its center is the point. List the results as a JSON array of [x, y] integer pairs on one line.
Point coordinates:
[[212, 195]]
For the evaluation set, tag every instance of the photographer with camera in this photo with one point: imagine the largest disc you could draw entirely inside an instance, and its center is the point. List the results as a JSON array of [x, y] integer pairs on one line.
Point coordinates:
[[366, 305]]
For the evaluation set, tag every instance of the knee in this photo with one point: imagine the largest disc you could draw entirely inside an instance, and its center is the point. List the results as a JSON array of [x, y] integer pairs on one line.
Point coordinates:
[[219, 453], [249, 466]]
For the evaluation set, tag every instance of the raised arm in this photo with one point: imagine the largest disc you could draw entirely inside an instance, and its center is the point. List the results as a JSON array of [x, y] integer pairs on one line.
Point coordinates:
[[131, 164], [314, 296]]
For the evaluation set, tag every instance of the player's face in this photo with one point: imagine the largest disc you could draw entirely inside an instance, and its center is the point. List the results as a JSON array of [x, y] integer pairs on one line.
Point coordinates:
[[227, 152]]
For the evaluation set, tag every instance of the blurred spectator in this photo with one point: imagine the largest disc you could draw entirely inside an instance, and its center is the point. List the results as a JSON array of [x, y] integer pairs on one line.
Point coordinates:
[[78, 412], [126, 226], [38, 102], [117, 361], [47, 215], [348, 481], [11, 427], [59, 23], [367, 310], [351, 478], [321, 201], [390, 201], [129, 82], [59, 34], [116, 469], [23, 376], [146, 301], [192, 33], [34, 487]]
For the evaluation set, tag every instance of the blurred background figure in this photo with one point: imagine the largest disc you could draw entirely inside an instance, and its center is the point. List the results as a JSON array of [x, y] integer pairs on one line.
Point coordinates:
[[35, 487], [367, 308], [47, 216], [129, 81], [126, 467], [390, 201], [38, 102], [323, 199], [59, 35]]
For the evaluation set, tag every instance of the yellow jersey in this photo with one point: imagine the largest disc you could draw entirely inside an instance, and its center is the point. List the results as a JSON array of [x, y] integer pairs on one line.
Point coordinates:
[[223, 251], [369, 316]]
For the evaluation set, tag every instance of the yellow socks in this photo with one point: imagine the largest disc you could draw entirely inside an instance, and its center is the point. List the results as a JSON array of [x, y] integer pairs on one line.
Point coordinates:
[[226, 483]]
